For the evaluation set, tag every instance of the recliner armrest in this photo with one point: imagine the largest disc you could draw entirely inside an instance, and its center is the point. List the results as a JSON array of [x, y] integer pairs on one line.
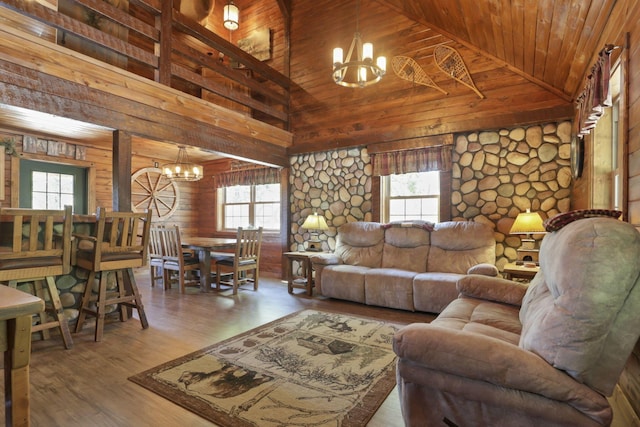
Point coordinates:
[[489, 360], [492, 289]]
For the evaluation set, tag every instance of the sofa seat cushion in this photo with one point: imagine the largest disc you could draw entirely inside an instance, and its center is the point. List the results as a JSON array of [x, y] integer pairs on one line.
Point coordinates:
[[483, 317], [344, 282], [389, 287], [432, 292]]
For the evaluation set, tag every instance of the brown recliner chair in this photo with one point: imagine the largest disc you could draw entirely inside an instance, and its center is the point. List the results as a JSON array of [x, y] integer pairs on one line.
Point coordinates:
[[504, 354]]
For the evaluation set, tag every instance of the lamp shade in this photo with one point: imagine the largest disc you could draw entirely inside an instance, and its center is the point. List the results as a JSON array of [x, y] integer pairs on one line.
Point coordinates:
[[231, 16], [315, 222], [527, 223]]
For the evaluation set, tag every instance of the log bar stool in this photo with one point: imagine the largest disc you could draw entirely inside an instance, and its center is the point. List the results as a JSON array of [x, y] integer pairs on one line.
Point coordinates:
[[37, 254], [119, 243]]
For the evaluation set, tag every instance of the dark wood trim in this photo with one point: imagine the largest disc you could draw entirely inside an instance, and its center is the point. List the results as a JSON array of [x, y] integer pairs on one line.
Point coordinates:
[[121, 171]]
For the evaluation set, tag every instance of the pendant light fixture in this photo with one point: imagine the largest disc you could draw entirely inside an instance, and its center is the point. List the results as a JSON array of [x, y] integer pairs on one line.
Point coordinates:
[[231, 16], [182, 169], [362, 71]]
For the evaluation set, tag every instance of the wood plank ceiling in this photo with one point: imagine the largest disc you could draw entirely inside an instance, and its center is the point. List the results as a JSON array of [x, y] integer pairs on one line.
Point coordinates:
[[546, 42]]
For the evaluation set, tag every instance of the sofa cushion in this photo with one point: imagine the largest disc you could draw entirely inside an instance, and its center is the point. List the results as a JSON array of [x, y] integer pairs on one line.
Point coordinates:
[[344, 282], [389, 287], [578, 311], [406, 249], [487, 318], [360, 243], [457, 245], [433, 291]]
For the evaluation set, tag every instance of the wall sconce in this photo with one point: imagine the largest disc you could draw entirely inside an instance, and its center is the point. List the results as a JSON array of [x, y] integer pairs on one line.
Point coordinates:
[[231, 16], [528, 223], [315, 222]]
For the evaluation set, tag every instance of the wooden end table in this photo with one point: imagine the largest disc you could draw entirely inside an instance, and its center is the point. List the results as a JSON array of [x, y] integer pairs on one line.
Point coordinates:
[[304, 281], [519, 271]]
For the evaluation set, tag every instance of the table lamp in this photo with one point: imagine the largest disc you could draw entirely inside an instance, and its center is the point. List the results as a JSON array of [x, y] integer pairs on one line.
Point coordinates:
[[528, 223], [313, 223]]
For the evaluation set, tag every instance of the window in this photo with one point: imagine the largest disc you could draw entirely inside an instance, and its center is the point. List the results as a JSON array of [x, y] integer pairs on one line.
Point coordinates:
[[52, 186], [411, 196], [250, 205]]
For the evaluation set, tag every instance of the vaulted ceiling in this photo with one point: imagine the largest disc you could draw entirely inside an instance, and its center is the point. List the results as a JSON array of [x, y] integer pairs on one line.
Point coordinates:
[[548, 41]]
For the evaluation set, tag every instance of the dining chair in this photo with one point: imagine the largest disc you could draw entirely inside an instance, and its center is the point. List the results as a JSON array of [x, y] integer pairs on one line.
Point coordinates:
[[245, 260], [119, 243], [39, 250], [155, 254], [175, 259]]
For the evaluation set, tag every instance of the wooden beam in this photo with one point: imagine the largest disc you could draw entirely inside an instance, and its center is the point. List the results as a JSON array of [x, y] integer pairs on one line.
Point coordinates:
[[121, 171]]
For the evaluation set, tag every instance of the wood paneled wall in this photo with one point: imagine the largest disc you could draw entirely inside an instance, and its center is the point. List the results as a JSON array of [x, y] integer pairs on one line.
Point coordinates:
[[327, 116]]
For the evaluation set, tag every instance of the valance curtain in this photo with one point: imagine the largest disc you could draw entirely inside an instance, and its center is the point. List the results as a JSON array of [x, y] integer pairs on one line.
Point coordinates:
[[596, 95], [255, 176], [421, 160]]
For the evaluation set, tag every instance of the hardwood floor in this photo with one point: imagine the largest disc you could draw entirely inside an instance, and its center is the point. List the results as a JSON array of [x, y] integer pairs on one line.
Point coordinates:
[[88, 384]]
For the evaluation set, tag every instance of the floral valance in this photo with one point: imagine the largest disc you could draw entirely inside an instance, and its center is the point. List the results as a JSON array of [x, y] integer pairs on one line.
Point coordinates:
[[596, 95], [253, 176], [406, 161]]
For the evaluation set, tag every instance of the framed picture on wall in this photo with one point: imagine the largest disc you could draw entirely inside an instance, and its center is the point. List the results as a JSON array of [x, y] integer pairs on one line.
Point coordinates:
[[577, 156]]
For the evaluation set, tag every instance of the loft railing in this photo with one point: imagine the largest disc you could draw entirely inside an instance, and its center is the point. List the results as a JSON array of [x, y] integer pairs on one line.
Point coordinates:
[[155, 41]]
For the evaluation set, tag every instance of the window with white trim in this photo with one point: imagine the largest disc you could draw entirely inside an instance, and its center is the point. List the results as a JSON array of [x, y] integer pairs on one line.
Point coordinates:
[[250, 206], [411, 196]]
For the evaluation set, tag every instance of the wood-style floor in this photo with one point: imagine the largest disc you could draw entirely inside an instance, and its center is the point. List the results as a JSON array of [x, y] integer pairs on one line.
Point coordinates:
[[87, 385]]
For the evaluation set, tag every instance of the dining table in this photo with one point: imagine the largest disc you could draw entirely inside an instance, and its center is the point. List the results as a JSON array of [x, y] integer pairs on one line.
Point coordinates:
[[203, 246]]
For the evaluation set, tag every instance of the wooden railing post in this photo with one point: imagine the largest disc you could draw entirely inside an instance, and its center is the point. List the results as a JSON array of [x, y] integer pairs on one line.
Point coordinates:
[[164, 22]]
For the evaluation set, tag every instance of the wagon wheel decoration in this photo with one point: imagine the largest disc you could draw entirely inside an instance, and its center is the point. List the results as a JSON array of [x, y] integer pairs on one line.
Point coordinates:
[[153, 191]]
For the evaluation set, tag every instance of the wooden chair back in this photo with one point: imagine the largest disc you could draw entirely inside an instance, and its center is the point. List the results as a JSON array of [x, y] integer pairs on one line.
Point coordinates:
[[248, 245], [120, 240], [155, 242], [40, 243]]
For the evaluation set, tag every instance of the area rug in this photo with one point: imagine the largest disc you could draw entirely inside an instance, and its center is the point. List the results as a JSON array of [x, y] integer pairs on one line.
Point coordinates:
[[310, 368]]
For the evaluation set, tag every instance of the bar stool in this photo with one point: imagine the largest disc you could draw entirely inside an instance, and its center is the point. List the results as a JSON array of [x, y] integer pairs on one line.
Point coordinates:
[[37, 254], [119, 243]]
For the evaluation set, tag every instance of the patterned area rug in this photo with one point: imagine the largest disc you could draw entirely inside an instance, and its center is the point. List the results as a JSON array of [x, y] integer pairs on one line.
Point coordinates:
[[310, 368]]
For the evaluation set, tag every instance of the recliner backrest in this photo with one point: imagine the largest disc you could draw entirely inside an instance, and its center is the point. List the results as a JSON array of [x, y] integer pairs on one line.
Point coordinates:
[[580, 312]]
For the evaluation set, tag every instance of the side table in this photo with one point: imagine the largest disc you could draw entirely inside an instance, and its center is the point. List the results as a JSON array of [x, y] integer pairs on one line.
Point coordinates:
[[304, 281], [519, 271]]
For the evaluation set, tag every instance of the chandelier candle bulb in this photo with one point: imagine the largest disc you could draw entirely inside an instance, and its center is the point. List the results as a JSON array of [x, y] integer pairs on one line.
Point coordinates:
[[337, 56], [367, 52]]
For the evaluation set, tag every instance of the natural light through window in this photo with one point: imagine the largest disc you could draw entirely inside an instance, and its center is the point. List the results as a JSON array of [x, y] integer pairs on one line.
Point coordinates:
[[251, 206], [411, 196], [51, 190]]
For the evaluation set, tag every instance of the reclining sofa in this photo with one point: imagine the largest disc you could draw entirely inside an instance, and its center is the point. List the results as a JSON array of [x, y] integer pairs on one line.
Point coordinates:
[[404, 265], [507, 354]]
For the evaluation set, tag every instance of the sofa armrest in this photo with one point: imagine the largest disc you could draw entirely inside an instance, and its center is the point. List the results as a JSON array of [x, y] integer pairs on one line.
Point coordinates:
[[325, 258], [487, 359], [492, 289], [485, 269]]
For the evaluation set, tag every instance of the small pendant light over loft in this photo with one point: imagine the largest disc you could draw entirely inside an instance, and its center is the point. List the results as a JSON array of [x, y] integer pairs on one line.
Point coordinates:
[[362, 71], [231, 16], [182, 169]]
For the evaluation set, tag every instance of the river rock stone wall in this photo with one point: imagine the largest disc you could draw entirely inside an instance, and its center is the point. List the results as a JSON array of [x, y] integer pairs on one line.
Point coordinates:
[[495, 176], [336, 184], [498, 174]]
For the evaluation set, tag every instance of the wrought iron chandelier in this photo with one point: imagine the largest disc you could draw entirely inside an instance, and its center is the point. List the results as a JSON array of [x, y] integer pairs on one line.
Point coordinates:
[[362, 71], [182, 169]]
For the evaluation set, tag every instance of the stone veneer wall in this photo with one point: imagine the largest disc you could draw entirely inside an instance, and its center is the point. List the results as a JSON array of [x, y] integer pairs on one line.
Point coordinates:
[[498, 174], [336, 184], [495, 176]]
